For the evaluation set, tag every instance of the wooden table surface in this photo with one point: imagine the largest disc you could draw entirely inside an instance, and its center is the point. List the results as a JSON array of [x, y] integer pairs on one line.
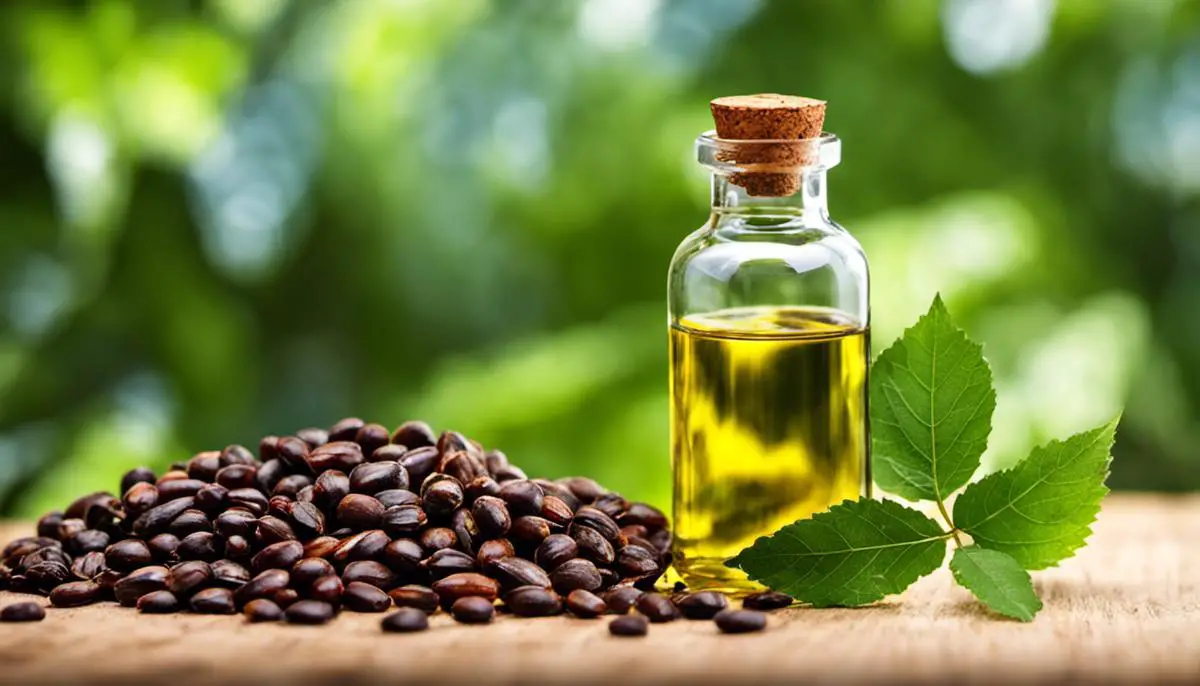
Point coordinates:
[[1127, 610]]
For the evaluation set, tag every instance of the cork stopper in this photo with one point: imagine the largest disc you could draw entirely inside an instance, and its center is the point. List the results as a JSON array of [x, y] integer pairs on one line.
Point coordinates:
[[772, 167]]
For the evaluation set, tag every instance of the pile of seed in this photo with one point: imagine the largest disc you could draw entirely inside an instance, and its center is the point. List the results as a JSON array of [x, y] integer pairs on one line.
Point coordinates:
[[360, 518]]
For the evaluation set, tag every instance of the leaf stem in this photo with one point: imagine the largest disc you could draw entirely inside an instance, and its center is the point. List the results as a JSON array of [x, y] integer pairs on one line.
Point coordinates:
[[953, 529]]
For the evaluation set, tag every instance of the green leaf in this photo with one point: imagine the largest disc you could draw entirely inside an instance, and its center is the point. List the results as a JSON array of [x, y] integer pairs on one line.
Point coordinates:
[[931, 409], [1040, 511], [997, 580], [854, 554]]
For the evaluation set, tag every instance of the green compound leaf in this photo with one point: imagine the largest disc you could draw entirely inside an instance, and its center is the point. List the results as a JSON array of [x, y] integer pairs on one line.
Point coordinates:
[[997, 580], [1040, 511], [855, 553], [931, 409]]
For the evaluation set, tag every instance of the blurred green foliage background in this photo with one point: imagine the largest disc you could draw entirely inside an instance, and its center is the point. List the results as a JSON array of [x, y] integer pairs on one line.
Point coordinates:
[[226, 218]]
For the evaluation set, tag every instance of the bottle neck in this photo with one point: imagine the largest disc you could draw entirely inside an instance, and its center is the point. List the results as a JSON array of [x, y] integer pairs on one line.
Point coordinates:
[[810, 201]]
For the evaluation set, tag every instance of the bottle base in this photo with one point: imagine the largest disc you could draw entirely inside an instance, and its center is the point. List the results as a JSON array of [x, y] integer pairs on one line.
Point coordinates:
[[709, 574]]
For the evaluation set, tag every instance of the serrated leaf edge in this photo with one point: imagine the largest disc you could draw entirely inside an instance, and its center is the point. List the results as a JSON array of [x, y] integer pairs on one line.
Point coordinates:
[[787, 530], [1094, 511], [937, 308], [954, 571]]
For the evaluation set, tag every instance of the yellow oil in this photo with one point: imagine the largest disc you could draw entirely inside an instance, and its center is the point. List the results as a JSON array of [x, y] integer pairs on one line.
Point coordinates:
[[768, 425]]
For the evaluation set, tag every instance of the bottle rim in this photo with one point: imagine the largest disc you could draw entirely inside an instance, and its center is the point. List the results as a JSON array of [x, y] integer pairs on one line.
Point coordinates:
[[769, 156]]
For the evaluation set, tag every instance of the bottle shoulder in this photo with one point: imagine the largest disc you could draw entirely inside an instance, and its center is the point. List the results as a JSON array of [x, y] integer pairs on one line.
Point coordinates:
[[736, 242], [730, 266]]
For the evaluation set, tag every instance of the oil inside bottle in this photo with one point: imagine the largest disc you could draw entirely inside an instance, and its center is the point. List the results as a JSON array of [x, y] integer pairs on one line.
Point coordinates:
[[768, 425]]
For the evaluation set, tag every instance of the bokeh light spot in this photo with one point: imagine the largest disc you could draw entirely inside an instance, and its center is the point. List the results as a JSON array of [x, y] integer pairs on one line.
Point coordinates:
[[985, 36]]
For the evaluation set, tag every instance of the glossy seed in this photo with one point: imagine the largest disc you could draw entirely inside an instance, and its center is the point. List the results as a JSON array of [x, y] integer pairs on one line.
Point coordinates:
[[128, 555], [414, 434], [158, 603], [416, 597], [360, 511], [229, 574], [88, 567], [22, 612], [593, 546], [740, 621], [264, 585], [136, 476], [490, 551], [621, 600], [274, 530], [402, 520], [364, 546], [473, 610], [387, 453], [573, 574], [441, 495], [437, 538], [405, 620], [491, 516], [214, 601], [599, 520], [533, 601], [75, 594], [555, 550], [310, 612], [530, 530], [481, 486], [371, 437], [310, 569], [767, 600], [360, 597], [420, 463], [186, 578], [702, 605], [462, 585], [446, 562], [327, 589], [556, 510], [369, 572], [372, 477], [140, 582], [657, 608], [512, 572], [403, 556], [343, 456], [628, 625], [280, 555], [585, 489], [345, 429], [398, 496], [523, 497], [284, 597], [164, 548], [585, 604], [201, 545], [262, 610]]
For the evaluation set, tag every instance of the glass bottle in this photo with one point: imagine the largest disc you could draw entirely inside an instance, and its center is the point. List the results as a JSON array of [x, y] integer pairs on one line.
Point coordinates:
[[769, 347]]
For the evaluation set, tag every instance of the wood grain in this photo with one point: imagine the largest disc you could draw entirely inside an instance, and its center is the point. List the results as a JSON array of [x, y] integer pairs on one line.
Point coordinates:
[[1126, 610]]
